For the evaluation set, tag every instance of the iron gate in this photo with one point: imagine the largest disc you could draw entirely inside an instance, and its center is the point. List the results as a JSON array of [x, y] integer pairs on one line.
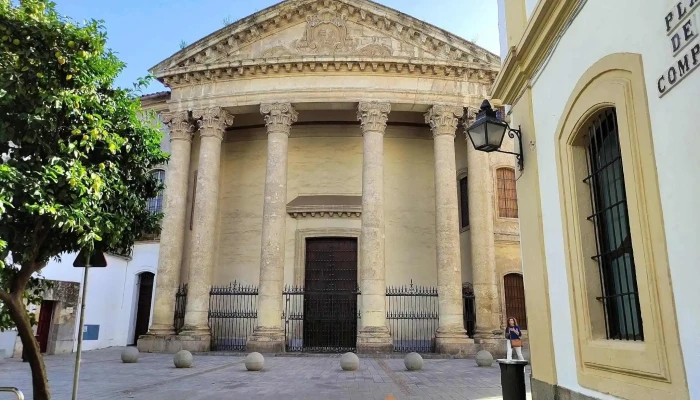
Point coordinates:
[[233, 315], [180, 307], [469, 312], [413, 316]]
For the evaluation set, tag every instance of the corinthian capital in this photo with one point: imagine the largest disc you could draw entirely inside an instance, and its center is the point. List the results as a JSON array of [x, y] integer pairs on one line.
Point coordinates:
[[213, 122], [180, 125], [373, 115], [279, 117], [443, 119]]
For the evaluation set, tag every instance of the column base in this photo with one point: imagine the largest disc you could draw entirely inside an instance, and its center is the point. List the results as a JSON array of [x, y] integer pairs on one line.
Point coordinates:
[[455, 343], [374, 340], [173, 343], [161, 330], [497, 347], [266, 340]]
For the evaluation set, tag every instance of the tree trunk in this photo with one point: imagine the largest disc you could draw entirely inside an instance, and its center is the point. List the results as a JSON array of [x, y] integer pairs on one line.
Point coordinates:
[[19, 315]]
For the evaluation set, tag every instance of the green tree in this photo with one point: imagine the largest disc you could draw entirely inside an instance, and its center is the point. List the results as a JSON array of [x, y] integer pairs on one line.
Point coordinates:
[[77, 155]]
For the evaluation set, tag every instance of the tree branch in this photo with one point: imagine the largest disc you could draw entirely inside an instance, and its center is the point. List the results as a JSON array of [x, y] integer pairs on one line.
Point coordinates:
[[4, 296]]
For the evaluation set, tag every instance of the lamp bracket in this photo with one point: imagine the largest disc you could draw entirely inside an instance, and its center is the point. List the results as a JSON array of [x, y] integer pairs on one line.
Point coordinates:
[[512, 133]]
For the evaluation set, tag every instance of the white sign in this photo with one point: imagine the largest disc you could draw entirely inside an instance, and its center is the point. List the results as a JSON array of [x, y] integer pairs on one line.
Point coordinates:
[[682, 25]]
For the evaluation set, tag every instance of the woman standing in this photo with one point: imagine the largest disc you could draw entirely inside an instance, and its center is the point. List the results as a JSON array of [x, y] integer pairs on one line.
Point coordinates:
[[514, 336]]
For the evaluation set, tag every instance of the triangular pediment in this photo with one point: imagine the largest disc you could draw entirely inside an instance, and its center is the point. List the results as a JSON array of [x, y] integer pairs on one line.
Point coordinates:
[[299, 29]]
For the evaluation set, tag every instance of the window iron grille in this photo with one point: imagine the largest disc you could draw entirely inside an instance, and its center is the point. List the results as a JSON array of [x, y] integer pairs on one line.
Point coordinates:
[[464, 202], [614, 256]]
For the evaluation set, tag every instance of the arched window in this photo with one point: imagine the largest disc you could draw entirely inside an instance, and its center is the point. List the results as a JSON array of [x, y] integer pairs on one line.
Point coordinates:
[[155, 205], [507, 195], [514, 291]]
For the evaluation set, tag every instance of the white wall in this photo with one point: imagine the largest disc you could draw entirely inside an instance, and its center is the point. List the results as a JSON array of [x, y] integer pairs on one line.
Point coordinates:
[[111, 296], [598, 31], [7, 343]]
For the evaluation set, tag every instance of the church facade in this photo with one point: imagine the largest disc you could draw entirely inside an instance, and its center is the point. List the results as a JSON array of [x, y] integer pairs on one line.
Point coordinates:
[[318, 144]]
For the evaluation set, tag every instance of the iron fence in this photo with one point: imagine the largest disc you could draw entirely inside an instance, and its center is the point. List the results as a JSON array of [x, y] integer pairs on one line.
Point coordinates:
[[469, 312], [180, 307], [413, 316], [232, 315], [324, 321], [320, 320]]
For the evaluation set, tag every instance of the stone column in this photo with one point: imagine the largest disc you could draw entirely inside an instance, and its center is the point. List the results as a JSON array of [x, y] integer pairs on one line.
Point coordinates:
[[173, 225], [212, 123], [268, 336], [481, 221], [373, 336], [451, 337]]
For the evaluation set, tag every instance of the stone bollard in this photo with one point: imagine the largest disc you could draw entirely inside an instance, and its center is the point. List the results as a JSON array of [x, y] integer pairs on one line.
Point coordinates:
[[413, 362], [349, 362], [484, 359], [130, 355], [254, 362], [183, 359]]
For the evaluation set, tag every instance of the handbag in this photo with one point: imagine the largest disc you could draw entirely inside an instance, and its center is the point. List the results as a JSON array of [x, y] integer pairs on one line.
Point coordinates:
[[516, 343]]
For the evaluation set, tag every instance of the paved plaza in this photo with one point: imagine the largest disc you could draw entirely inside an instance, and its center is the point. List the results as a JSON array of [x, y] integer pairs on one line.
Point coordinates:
[[103, 376]]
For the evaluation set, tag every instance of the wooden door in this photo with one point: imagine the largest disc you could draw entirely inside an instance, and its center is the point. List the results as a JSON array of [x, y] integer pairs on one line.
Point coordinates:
[[143, 308], [330, 295], [44, 324], [515, 298]]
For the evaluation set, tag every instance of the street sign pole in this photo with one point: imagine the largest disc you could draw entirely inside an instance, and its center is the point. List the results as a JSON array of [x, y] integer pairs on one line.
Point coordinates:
[[78, 354], [85, 259]]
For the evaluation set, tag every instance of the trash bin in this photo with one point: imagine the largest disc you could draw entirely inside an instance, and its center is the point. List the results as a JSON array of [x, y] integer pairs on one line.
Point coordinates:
[[513, 379]]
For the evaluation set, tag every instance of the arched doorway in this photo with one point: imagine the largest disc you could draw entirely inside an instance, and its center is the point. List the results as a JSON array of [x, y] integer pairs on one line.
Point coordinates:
[[144, 288], [515, 298]]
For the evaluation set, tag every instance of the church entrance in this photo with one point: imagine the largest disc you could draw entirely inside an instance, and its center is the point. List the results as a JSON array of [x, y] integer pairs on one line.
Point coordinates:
[[330, 295]]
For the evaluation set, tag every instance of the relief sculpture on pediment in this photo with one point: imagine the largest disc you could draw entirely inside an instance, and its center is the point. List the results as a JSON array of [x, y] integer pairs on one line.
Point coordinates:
[[326, 34]]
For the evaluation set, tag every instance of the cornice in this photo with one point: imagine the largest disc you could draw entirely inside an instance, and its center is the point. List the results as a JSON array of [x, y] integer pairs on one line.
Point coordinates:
[[548, 19], [196, 74], [366, 13]]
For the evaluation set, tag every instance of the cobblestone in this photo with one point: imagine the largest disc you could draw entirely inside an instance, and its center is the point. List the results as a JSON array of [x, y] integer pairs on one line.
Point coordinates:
[[104, 377]]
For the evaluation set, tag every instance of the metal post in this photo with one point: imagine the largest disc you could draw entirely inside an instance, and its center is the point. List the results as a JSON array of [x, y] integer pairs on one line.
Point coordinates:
[[80, 335], [513, 379], [17, 392]]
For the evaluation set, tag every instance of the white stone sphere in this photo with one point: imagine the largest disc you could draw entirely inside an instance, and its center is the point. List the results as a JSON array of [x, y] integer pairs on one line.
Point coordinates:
[[484, 359], [130, 355], [183, 359], [349, 362], [413, 362], [254, 362]]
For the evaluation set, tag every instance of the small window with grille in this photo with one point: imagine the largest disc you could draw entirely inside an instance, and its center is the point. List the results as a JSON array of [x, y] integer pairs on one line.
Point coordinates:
[[619, 297], [507, 195], [155, 204], [464, 203]]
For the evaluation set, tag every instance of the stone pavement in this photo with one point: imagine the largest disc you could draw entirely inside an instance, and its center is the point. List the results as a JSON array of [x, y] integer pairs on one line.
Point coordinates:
[[217, 377]]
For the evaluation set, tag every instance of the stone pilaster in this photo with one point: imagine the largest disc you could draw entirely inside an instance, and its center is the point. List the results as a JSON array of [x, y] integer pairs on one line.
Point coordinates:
[[451, 337], [212, 123], [483, 250], [268, 336], [373, 336], [173, 228]]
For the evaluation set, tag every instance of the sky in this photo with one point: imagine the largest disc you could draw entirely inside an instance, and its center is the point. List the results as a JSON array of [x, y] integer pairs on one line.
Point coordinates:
[[145, 32]]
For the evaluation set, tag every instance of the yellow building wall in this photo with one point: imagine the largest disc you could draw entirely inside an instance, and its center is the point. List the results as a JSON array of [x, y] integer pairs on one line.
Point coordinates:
[[331, 165]]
